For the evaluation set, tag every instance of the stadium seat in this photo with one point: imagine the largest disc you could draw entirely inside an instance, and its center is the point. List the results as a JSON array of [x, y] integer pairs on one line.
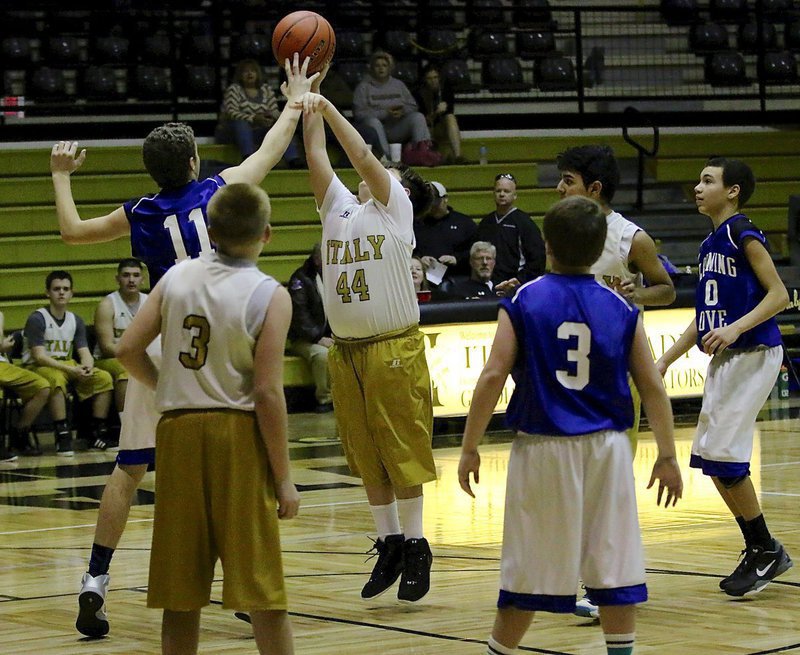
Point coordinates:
[[46, 83], [199, 49], [728, 11], [62, 51], [679, 12], [725, 69], [16, 52], [441, 13], [533, 44], [503, 74], [777, 8], [156, 50], [152, 83], [455, 73], [110, 50], [399, 14], [485, 12], [791, 35], [408, 72], [780, 68], [555, 73], [705, 38], [487, 43], [99, 83], [399, 43], [201, 82], [251, 46], [350, 45], [748, 37], [351, 71], [533, 13], [594, 67], [441, 42]]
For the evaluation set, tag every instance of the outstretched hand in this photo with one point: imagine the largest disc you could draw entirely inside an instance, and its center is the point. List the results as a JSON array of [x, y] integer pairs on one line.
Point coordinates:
[[63, 159], [312, 103], [297, 84], [668, 473]]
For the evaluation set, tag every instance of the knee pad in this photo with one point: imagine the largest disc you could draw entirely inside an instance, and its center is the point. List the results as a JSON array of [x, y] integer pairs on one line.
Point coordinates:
[[730, 481]]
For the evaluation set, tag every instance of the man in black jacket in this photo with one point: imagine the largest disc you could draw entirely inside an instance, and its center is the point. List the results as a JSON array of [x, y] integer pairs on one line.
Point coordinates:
[[444, 234], [519, 243], [309, 332]]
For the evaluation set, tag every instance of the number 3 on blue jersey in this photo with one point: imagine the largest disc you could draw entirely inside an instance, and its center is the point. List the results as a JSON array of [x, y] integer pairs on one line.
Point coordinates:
[[578, 355], [173, 226]]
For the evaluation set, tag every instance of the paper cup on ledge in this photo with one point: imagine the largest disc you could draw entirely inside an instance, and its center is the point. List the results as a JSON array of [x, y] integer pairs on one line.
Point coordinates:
[[395, 151]]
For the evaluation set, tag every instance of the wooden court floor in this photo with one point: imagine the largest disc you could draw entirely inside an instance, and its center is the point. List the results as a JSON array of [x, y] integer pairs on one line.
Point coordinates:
[[48, 509]]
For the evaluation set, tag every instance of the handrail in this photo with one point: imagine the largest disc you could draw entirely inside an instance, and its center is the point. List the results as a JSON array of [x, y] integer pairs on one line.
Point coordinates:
[[640, 149]]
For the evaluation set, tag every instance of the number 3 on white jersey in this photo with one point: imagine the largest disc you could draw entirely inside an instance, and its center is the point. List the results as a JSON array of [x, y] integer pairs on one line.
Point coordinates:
[[579, 355], [195, 217]]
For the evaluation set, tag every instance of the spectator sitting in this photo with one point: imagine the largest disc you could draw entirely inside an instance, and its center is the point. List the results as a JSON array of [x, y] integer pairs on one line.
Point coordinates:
[[444, 234], [520, 247], [436, 101], [112, 316], [32, 389], [249, 109], [479, 283], [309, 332], [385, 104], [53, 336], [418, 274]]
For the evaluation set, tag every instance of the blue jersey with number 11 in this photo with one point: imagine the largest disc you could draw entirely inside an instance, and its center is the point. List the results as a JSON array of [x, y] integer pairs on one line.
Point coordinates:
[[171, 225], [574, 337]]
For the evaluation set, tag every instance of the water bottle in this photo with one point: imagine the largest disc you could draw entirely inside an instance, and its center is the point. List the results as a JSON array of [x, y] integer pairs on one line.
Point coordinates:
[[483, 155]]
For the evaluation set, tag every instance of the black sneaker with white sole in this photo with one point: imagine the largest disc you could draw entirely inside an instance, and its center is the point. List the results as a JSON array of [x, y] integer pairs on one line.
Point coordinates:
[[758, 568]]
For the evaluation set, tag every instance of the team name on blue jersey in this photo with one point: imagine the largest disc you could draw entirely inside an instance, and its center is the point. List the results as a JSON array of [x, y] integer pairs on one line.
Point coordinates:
[[728, 287], [171, 225], [574, 338]]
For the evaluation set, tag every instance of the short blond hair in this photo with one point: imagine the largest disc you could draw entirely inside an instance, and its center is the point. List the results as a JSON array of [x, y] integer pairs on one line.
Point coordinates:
[[239, 213]]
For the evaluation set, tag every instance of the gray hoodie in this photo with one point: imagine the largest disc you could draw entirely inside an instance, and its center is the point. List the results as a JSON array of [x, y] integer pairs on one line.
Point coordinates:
[[372, 99]]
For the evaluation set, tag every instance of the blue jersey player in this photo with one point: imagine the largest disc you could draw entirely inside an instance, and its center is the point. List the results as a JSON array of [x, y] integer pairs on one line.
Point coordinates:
[[164, 228], [738, 295], [569, 343]]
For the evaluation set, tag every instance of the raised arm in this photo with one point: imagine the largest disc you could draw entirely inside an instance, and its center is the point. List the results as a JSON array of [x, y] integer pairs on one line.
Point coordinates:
[[255, 168], [64, 162], [366, 164], [319, 164]]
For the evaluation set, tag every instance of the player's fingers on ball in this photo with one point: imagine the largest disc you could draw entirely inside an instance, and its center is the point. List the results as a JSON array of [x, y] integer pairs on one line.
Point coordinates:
[[306, 63]]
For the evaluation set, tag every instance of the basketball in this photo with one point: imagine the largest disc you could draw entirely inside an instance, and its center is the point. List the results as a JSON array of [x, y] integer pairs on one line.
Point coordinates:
[[306, 33]]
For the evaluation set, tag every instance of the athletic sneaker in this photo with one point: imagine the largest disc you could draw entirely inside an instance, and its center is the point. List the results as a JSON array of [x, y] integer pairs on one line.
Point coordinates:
[[92, 620], [416, 579], [7, 455], [586, 609], [98, 444], [388, 567], [758, 569], [64, 446], [736, 572]]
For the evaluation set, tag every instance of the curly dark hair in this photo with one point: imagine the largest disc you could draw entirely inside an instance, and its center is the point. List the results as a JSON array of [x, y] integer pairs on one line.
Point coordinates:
[[166, 153], [420, 192], [595, 164]]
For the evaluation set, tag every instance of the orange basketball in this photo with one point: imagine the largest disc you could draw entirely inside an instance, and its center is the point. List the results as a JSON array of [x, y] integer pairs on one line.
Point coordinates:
[[306, 33]]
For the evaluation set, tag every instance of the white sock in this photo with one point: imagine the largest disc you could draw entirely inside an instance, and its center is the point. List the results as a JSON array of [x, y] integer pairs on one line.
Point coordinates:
[[496, 648], [386, 519], [410, 510]]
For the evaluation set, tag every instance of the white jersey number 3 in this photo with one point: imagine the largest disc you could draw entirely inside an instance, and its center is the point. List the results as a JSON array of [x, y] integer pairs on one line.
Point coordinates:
[[579, 355]]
